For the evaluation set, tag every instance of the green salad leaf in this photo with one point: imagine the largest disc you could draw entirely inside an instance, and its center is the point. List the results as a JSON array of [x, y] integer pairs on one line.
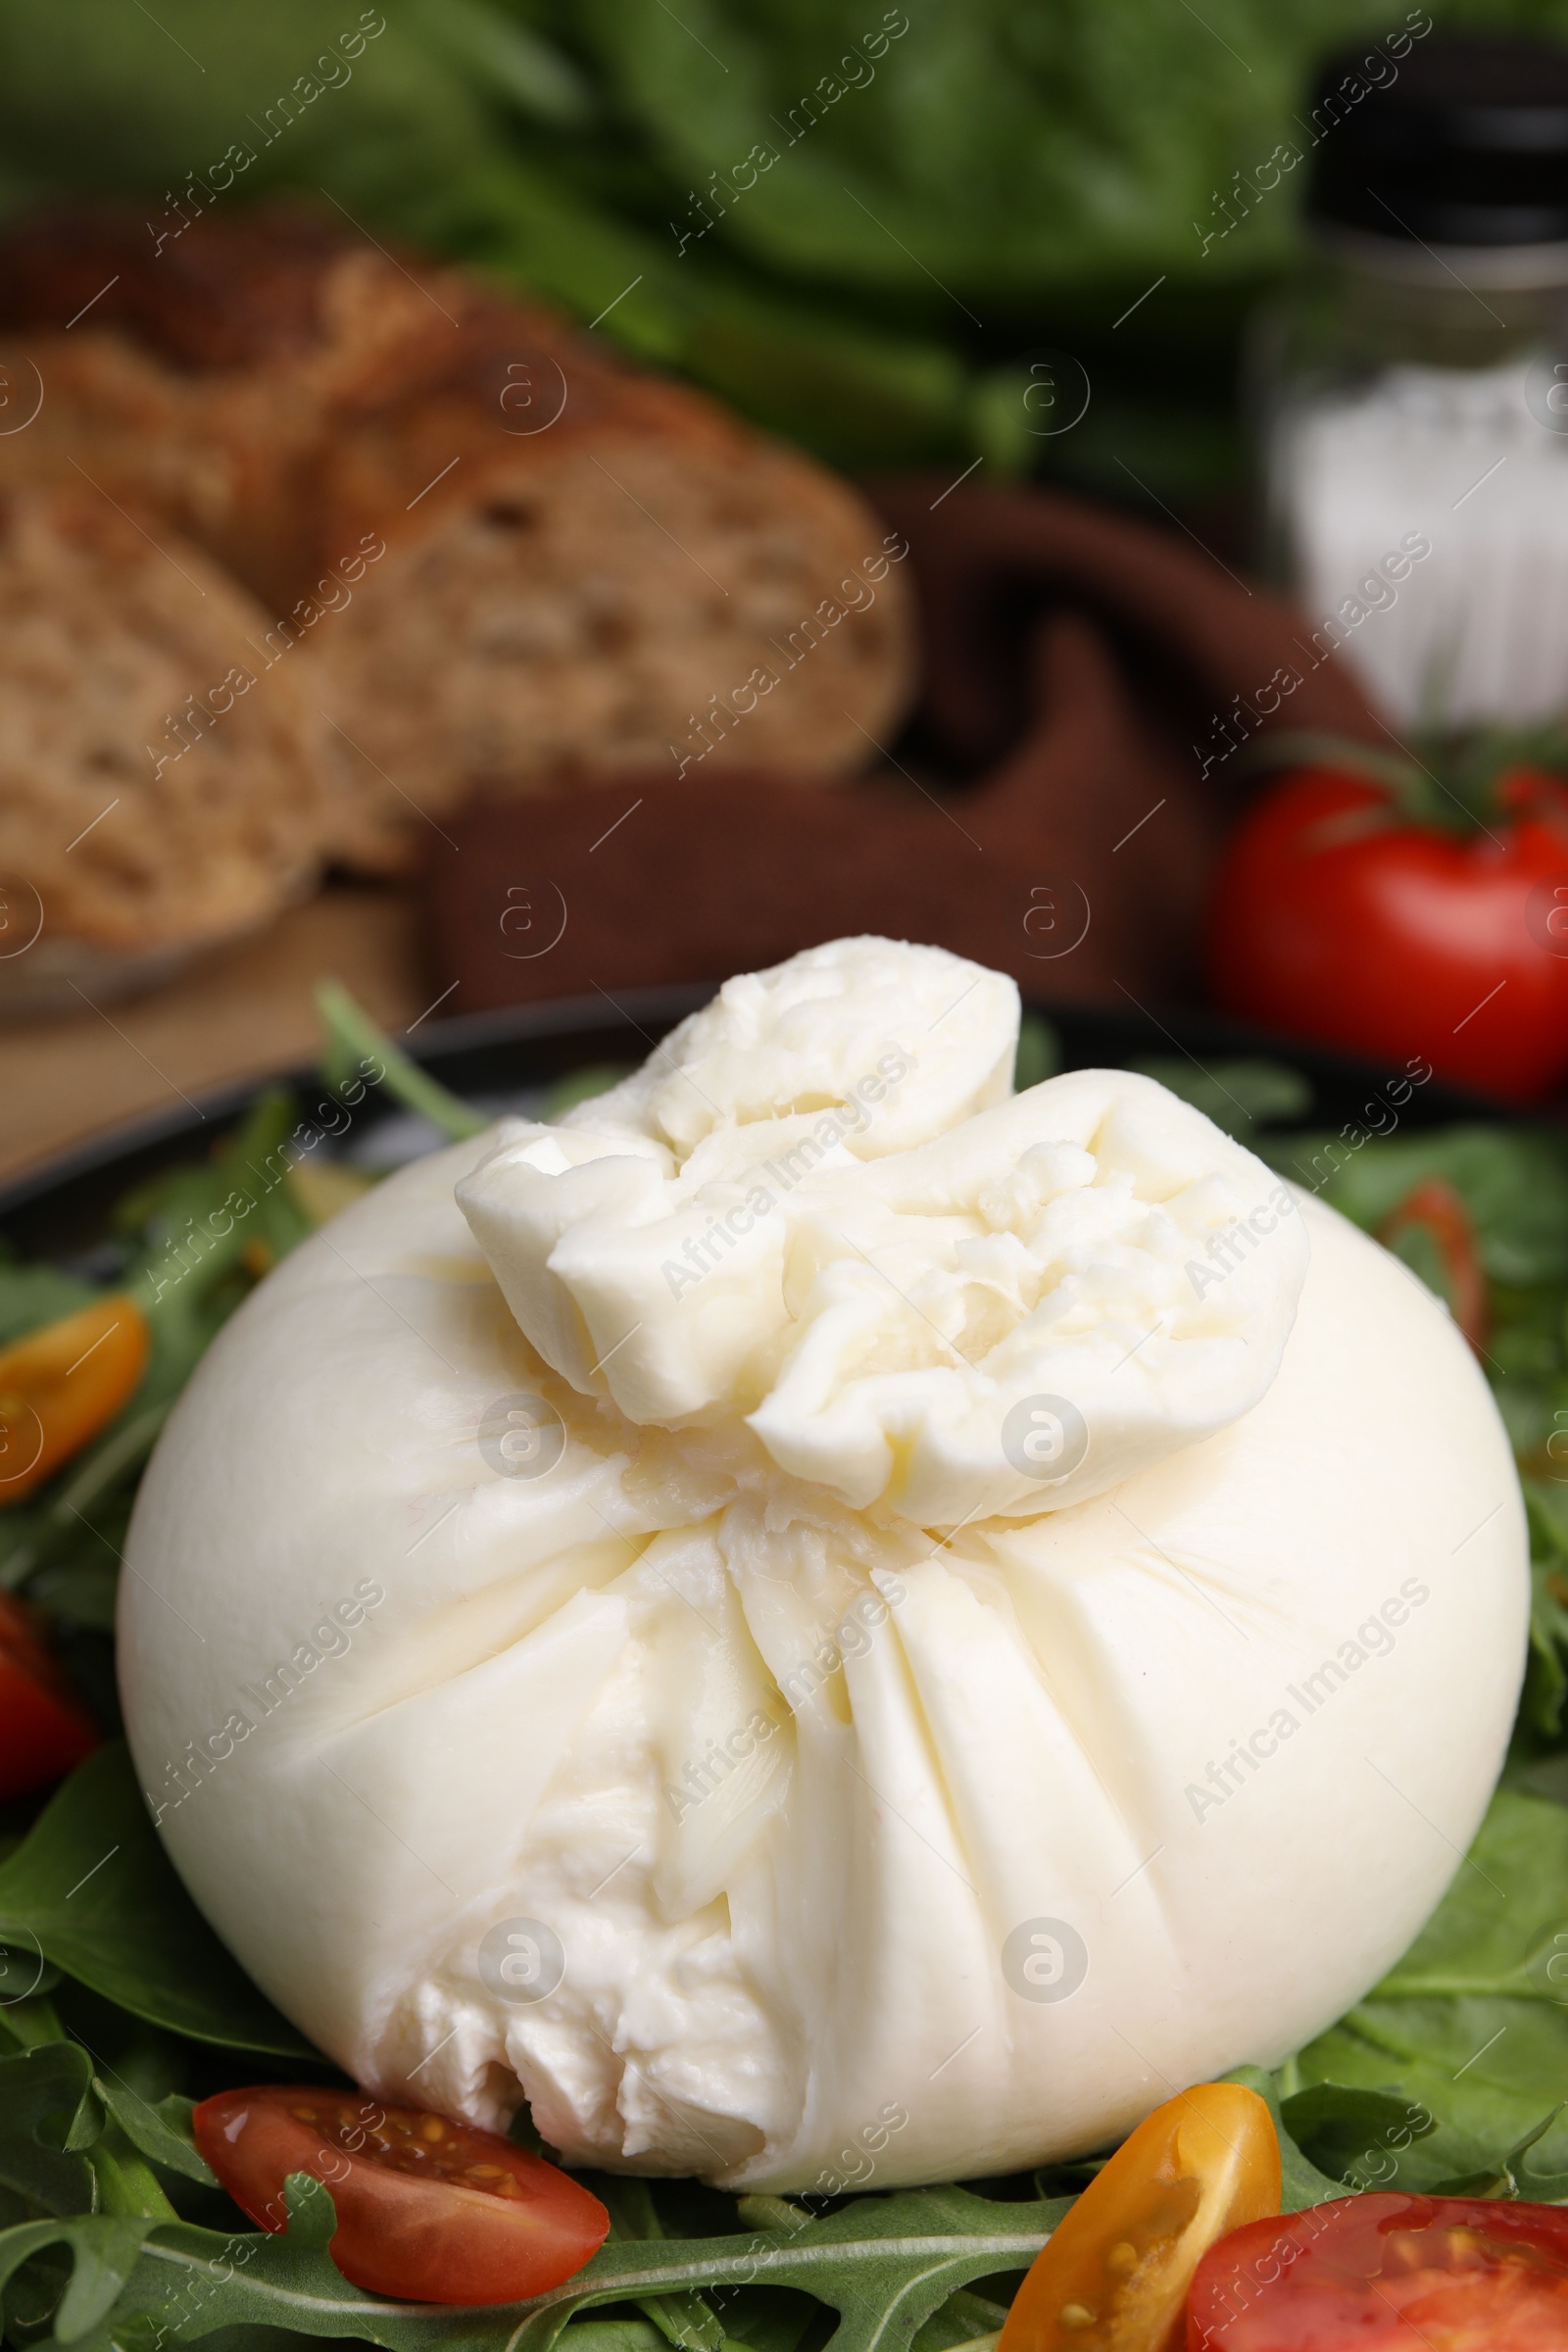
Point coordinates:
[[48, 2086], [1240, 1096], [354, 1041], [33, 1295], [1505, 2176], [92, 1883], [852, 220], [1512, 1183], [885, 2264], [1547, 1681], [1470, 2030], [1039, 1054], [1512, 1179], [685, 2317], [1448, 2078], [1343, 2132], [1301, 2184], [104, 2250], [162, 2133]]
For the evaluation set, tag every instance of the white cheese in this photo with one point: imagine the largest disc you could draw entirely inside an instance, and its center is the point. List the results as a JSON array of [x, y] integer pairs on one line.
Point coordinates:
[[999, 1629]]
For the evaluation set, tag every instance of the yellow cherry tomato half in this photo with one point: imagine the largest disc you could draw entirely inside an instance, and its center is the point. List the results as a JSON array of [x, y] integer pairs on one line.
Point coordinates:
[[1116, 2274], [60, 1386]]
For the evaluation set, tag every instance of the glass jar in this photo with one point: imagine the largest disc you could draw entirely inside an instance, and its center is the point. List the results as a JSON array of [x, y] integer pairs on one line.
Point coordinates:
[[1411, 388]]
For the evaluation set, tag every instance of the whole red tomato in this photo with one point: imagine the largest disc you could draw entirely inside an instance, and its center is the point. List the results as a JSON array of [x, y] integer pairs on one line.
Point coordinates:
[[1336, 916]]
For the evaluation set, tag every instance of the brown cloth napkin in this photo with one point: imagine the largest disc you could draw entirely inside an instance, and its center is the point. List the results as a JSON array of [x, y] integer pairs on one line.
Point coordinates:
[[1054, 811]]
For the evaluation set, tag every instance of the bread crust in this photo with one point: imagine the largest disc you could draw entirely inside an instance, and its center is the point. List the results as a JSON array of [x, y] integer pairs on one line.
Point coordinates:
[[583, 565]]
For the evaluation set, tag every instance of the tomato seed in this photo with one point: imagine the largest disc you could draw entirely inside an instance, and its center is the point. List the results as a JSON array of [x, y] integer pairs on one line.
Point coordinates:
[[1076, 2315], [1122, 2257]]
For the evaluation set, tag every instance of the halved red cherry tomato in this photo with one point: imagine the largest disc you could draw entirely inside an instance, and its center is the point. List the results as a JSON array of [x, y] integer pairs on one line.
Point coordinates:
[[1384, 2273], [43, 1727], [60, 1386], [429, 2209], [1114, 2274]]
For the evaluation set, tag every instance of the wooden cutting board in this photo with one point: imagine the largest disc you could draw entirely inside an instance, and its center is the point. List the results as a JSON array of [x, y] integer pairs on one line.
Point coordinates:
[[241, 1013]]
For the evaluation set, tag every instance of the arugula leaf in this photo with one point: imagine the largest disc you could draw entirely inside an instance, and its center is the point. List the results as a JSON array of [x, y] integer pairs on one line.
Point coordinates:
[[49, 2091], [353, 1040], [188, 1270], [1547, 1678], [92, 1883], [31, 1296], [685, 2319], [126, 2185], [1512, 1180], [885, 2264], [162, 2133], [1471, 2025], [105, 2248], [964, 2319]]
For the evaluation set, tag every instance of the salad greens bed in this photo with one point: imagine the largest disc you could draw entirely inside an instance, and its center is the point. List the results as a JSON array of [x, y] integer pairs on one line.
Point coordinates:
[[119, 2006], [860, 223]]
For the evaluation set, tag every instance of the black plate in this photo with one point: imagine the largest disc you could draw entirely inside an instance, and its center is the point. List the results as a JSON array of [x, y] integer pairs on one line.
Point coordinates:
[[62, 1204]]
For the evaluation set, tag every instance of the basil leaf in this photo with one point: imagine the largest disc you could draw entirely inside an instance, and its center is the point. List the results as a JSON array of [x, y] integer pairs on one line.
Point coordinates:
[[1471, 2025], [92, 1883]]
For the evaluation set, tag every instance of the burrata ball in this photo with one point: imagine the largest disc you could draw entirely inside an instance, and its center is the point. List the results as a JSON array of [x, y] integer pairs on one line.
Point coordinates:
[[822, 1622]]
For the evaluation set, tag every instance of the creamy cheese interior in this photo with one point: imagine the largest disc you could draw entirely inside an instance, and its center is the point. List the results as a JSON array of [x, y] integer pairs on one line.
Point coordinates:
[[819, 1216], [819, 1620]]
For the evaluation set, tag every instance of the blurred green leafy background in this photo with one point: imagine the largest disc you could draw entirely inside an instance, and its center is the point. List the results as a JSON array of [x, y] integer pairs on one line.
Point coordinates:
[[997, 178]]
